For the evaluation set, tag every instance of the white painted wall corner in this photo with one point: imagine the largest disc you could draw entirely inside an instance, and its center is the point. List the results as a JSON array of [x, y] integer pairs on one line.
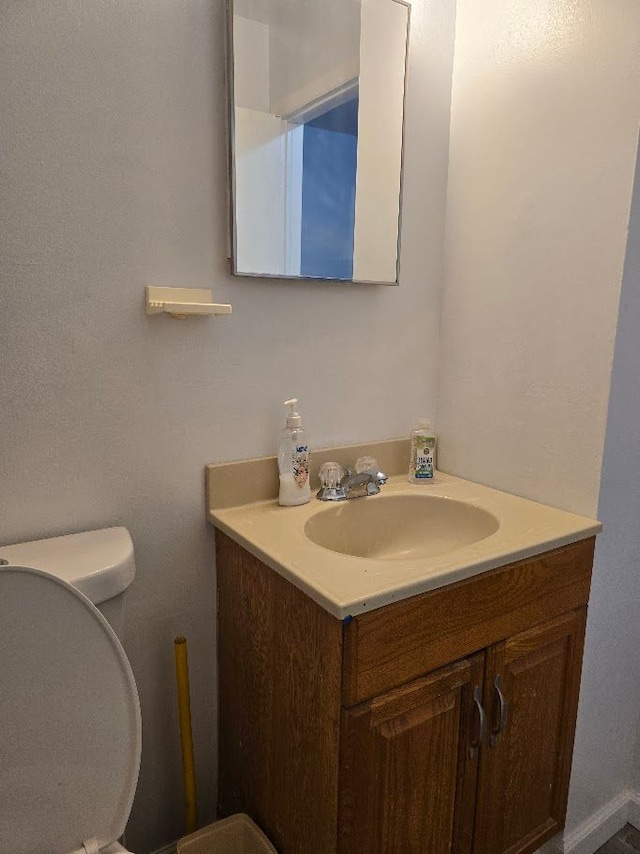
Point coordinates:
[[587, 837]]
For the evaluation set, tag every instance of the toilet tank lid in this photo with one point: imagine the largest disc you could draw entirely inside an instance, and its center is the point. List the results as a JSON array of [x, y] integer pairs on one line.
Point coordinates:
[[98, 563]]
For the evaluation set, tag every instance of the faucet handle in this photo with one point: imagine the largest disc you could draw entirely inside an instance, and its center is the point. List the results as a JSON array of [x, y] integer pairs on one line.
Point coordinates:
[[330, 475], [366, 464], [369, 465]]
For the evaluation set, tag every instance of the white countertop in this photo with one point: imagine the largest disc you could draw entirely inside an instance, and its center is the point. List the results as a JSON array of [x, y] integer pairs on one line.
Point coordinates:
[[346, 586]]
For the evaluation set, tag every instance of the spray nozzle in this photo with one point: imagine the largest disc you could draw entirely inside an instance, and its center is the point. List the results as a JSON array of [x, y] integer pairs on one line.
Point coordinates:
[[293, 418]]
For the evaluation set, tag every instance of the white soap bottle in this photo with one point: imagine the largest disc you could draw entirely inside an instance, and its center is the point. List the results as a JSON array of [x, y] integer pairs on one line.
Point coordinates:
[[423, 453], [293, 460]]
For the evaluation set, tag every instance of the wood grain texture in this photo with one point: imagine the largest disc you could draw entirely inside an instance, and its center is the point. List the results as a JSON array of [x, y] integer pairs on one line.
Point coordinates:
[[392, 645], [524, 778], [468, 764], [279, 714], [403, 772], [392, 774]]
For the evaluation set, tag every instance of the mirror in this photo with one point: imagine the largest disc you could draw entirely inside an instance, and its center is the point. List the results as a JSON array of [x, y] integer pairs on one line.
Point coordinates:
[[317, 110]]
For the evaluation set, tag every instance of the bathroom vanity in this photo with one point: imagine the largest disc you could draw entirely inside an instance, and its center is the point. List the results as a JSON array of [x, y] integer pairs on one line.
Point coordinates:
[[435, 713]]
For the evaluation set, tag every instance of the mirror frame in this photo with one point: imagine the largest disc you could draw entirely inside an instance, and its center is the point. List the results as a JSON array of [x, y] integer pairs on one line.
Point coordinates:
[[232, 241]]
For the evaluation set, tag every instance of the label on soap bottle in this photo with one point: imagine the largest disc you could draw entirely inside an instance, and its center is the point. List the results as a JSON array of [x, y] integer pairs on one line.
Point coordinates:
[[301, 465], [425, 448]]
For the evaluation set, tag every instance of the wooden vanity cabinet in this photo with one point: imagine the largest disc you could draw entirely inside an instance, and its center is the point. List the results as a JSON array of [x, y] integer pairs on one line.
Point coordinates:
[[413, 778], [440, 723], [524, 770], [409, 765]]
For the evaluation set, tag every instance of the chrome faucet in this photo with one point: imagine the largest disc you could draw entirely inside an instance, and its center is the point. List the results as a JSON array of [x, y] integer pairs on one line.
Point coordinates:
[[338, 485]]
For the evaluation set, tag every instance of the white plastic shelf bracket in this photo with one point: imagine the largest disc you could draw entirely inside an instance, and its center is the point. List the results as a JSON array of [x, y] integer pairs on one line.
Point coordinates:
[[183, 302]]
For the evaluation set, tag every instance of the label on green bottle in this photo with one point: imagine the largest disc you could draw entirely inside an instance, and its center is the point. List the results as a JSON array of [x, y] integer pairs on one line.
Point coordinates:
[[425, 452]]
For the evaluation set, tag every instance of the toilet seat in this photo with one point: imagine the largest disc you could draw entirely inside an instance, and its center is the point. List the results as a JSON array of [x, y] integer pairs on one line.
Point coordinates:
[[69, 717]]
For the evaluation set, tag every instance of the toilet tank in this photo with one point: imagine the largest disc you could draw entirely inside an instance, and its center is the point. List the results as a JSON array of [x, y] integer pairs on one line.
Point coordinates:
[[99, 563]]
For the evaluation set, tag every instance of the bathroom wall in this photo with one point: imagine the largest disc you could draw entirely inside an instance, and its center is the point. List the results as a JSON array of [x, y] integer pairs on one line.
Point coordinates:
[[608, 716], [380, 114], [260, 178], [545, 117], [113, 177], [546, 101], [313, 48], [619, 496]]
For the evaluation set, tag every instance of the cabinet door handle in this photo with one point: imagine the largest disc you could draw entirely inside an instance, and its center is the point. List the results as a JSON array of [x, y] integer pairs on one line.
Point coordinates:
[[495, 733], [475, 746]]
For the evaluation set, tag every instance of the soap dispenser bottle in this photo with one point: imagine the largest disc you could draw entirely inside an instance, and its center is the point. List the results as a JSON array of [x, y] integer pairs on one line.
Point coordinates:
[[293, 460], [423, 453]]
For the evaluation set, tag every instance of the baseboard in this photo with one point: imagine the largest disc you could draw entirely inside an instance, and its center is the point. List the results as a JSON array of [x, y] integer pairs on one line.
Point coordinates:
[[634, 809], [586, 838], [603, 824]]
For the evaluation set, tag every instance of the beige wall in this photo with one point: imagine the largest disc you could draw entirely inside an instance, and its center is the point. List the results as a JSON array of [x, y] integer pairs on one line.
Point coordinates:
[[543, 138], [380, 117], [114, 177], [260, 188], [604, 755], [313, 49], [545, 116]]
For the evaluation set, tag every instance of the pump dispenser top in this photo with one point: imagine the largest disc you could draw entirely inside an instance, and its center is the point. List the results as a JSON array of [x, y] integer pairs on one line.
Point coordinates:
[[293, 460], [293, 418]]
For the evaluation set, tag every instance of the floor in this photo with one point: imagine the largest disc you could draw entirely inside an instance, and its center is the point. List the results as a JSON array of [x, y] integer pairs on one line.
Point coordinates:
[[626, 841]]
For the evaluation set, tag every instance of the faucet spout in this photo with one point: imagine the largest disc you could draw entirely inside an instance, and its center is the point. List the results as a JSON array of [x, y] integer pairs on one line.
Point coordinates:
[[363, 483], [366, 480]]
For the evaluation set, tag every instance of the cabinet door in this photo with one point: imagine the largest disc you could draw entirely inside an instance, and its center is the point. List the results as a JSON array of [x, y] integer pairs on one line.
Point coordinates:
[[532, 682], [409, 764]]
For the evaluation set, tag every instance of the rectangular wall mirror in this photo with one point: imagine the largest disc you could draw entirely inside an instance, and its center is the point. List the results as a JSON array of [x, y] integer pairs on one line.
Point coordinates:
[[317, 111]]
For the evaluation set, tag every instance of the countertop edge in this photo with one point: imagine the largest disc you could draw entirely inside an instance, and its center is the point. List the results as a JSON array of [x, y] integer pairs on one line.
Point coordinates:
[[347, 610]]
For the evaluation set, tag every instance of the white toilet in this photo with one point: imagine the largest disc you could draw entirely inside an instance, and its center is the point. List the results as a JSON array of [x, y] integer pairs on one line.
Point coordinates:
[[70, 726]]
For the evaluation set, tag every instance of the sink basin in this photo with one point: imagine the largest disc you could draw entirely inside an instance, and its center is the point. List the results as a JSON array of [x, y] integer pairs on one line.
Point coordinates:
[[399, 527]]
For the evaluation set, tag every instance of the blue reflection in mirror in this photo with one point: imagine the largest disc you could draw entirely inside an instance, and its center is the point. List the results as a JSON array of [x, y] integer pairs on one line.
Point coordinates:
[[330, 146]]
